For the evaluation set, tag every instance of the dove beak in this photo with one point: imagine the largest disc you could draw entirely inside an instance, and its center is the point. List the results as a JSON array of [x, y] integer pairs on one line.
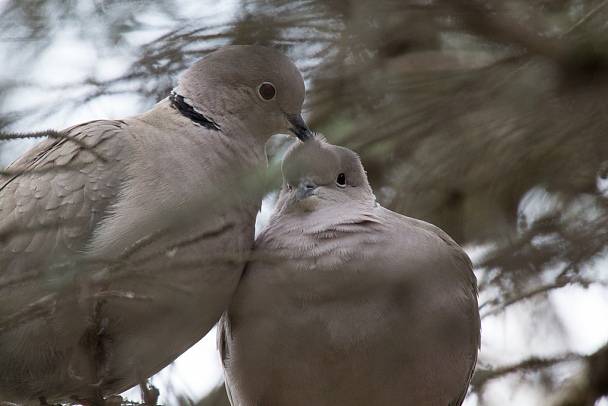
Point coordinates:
[[300, 129], [305, 189]]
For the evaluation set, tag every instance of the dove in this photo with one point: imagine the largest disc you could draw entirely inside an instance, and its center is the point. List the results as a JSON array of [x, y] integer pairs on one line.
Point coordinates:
[[344, 302], [122, 241]]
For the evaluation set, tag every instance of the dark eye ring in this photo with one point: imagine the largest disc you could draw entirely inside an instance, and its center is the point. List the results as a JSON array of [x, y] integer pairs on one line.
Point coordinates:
[[289, 188], [267, 91], [341, 180]]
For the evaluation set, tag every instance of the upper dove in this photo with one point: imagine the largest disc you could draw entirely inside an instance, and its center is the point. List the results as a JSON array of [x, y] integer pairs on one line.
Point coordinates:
[[122, 241], [344, 302]]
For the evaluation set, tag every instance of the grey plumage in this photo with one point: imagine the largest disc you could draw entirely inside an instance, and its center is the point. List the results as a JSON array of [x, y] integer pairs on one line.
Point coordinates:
[[122, 241], [346, 303]]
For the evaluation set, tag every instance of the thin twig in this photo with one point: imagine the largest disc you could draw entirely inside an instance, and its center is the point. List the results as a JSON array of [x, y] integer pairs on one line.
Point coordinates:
[[585, 18]]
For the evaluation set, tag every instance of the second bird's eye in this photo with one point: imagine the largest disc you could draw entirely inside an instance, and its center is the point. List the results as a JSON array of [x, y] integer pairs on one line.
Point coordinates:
[[267, 91], [341, 180]]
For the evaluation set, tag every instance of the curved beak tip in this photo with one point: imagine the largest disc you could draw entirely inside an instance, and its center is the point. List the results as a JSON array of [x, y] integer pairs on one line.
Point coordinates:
[[300, 129]]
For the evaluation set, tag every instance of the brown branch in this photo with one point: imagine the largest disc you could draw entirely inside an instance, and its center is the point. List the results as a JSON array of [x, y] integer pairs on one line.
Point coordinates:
[[483, 376], [589, 385], [502, 304], [40, 308], [496, 24], [585, 18], [54, 134]]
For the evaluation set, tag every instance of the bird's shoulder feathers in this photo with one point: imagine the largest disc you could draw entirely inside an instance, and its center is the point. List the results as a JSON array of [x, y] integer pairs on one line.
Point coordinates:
[[52, 197]]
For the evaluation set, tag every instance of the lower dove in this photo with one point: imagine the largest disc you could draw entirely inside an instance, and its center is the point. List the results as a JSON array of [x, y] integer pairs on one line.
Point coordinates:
[[344, 302]]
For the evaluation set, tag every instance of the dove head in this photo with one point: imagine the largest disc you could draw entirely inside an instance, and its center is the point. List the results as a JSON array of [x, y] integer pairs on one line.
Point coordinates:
[[319, 175], [260, 88]]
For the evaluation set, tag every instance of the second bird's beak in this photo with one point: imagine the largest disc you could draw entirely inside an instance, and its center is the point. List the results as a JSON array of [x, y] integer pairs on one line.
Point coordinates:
[[300, 129], [305, 189]]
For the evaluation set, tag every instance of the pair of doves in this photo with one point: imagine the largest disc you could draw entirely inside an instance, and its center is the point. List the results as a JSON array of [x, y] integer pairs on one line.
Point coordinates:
[[122, 242]]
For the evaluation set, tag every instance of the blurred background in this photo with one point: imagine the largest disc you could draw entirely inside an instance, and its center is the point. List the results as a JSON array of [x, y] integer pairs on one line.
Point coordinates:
[[486, 118]]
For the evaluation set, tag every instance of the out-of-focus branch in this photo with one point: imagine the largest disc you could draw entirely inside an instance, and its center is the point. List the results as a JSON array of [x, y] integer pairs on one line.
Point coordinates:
[[589, 385], [493, 21], [586, 17], [484, 375]]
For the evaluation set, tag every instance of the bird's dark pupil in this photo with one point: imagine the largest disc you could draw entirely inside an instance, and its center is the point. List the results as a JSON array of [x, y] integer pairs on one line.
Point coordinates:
[[267, 91], [341, 179]]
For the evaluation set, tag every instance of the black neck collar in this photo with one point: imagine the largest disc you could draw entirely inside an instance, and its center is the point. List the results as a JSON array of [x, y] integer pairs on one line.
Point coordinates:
[[187, 110]]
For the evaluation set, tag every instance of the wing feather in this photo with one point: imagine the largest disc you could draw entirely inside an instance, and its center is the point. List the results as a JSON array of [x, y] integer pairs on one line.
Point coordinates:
[[57, 193]]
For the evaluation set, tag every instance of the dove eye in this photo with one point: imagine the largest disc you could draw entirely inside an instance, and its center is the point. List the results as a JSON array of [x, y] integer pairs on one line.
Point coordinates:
[[267, 91], [341, 180]]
